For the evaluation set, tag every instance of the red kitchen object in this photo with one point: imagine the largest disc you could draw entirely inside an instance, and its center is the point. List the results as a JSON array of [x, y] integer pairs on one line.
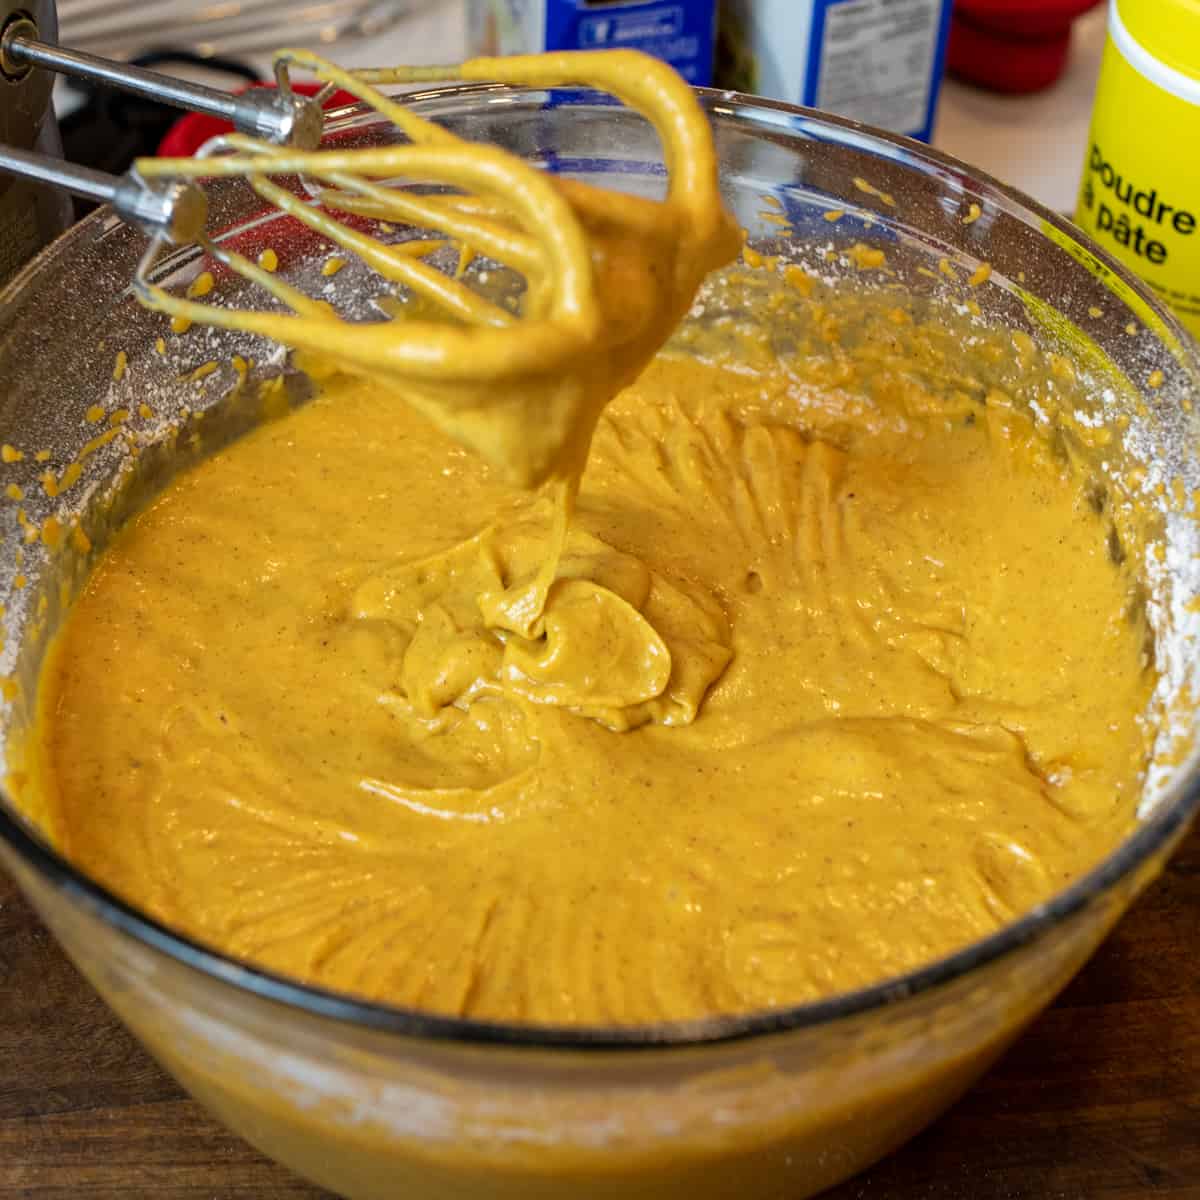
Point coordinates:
[[189, 133], [1012, 45], [289, 241]]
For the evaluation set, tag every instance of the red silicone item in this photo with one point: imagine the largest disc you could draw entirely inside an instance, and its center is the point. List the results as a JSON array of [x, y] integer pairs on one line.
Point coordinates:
[[1024, 16], [1012, 45]]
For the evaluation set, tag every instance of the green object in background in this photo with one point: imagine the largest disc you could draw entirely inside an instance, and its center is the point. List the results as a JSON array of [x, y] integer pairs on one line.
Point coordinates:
[[736, 67]]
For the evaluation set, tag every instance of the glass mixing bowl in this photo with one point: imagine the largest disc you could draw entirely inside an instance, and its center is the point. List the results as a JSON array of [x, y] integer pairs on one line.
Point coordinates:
[[376, 1102]]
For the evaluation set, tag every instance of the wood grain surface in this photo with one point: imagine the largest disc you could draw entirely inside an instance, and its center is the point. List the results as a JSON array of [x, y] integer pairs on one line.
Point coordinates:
[[1099, 1101]]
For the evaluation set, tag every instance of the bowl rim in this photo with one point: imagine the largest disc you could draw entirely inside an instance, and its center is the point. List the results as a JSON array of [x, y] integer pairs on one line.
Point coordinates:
[[1176, 807]]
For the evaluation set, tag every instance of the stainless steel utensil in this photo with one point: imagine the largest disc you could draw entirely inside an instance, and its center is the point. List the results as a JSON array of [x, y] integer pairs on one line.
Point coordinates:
[[166, 210]]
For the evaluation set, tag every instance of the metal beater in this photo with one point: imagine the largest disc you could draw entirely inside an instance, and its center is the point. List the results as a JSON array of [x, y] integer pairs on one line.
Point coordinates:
[[607, 276], [169, 209]]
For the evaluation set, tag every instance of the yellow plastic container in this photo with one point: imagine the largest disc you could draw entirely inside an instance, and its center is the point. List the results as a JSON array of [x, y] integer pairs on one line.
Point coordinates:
[[1140, 195]]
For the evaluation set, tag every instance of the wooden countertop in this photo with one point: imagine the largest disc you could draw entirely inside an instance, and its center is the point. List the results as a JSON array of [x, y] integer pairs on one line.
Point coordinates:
[[1099, 1101]]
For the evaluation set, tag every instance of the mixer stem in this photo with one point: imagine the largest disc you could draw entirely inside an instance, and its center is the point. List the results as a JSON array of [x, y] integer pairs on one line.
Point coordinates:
[[167, 209]]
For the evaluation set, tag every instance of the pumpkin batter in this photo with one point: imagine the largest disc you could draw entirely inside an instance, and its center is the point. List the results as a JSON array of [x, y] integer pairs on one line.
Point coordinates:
[[827, 673], [835, 675]]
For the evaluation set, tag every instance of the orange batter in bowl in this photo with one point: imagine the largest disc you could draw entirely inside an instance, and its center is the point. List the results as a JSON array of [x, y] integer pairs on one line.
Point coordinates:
[[835, 674], [824, 672]]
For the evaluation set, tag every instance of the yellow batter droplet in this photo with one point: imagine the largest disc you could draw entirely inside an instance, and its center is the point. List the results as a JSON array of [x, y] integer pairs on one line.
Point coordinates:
[[202, 372], [871, 190], [42, 456], [95, 414], [1156, 379], [981, 274], [10, 454], [200, 286], [160, 344], [52, 532], [180, 324], [973, 214], [14, 492], [332, 266], [1061, 367], [866, 258], [145, 411], [835, 214], [268, 260], [798, 278]]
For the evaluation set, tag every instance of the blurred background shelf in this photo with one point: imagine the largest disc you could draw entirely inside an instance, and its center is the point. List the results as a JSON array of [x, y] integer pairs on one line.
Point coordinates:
[[1034, 142], [119, 29]]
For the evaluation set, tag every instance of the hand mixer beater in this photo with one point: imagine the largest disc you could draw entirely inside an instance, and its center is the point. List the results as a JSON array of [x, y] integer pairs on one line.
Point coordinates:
[[175, 211], [607, 276]]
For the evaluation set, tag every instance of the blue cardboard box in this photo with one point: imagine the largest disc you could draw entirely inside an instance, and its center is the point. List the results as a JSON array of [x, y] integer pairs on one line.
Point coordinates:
[[877, 61], [680, 31]]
